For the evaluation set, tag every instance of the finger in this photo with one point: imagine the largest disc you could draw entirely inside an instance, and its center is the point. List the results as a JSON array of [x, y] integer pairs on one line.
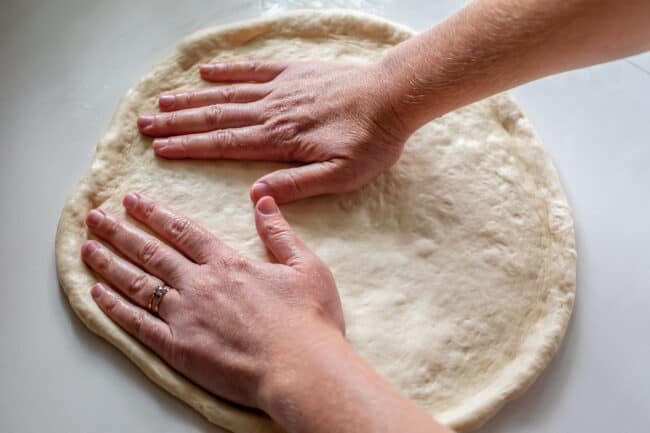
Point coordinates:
[[249, 143], [201, 119], [130, 280], [254, 70], [292, 184], [278, 237], [142, 249], [190, 238], [215, 95], [151, 331]]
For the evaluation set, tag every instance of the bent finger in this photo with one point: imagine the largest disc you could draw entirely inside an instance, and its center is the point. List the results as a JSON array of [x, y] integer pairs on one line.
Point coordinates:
[[278, 236], [290, 184]]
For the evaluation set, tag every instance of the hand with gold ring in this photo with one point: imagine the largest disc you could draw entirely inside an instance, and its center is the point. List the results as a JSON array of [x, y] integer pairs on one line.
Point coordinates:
[[264, 335], [211, 311]]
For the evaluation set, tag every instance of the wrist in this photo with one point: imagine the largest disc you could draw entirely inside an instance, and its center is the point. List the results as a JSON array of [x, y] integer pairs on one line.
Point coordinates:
[[327, 386], [430, 75], [388, 91], [409, 91], [297, 370]]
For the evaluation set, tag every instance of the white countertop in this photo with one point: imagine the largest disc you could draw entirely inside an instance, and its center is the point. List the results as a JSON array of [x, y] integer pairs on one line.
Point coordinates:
[[63, 66]]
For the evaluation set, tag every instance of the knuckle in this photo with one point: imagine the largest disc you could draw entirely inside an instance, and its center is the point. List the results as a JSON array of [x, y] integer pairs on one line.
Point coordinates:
[[283, 129], [233, 262], [188, 98], [178, 228], [149, 251], [148, 209], [103, 261], [280, 105], [277, 228], [139, 284], [223, 138], [162, 261], [213, 115], [285, 135], [227, 94], [111, 226], [110, 304], [255, 65], [289, 131]]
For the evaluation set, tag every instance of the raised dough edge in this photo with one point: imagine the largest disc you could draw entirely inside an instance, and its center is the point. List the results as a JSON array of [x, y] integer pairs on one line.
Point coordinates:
[[71, 233], [559, 278]]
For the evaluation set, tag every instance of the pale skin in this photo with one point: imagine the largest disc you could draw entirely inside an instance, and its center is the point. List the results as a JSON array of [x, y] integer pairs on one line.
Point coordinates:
[[271, 335]]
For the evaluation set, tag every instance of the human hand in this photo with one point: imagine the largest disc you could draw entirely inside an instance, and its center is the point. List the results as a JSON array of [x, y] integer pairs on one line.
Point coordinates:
[[337, 117], [228, 323]]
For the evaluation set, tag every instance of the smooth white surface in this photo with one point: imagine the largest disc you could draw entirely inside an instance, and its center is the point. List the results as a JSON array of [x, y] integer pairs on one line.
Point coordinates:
[[63, 66]]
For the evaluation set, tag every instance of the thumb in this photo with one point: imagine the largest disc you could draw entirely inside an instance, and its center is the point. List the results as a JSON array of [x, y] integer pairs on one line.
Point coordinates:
[[277, 235], [292, 184]]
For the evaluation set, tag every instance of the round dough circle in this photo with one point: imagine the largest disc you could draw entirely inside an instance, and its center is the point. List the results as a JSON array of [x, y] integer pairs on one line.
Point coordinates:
[[456, 267]]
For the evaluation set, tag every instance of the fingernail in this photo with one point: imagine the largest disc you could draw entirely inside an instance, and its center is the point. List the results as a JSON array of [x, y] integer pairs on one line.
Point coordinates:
[[97, 290], [94, 218], [260, 189], [167, 101], [89, 247], [130, 200], [267, 206], [160, 143], [145, 121]]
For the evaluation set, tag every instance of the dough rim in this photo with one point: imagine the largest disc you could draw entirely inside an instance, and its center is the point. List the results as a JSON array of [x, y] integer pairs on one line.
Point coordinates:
[[239, 420]]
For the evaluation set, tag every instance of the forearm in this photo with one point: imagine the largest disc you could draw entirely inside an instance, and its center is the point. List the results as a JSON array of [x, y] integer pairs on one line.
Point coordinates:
[[331, 388], [493, 45]]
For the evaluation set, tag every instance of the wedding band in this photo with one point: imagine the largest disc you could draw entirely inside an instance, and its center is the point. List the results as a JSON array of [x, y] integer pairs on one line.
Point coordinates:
[[156, 298]]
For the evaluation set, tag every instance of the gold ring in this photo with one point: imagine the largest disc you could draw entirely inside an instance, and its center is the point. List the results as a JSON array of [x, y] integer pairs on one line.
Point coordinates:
[[156, 298]]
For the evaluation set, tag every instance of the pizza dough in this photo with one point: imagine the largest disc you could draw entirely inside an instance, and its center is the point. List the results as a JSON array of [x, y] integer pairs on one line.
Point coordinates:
[[456, 267]]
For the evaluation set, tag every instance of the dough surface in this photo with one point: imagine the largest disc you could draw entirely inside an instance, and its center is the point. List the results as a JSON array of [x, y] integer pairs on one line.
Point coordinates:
[[456, 267]]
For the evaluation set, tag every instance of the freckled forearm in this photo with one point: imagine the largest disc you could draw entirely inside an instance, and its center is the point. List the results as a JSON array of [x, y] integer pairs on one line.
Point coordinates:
[[331, 388], [493, 45]]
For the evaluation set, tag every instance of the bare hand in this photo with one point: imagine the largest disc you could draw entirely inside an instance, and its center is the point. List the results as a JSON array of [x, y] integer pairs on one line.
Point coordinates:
[[227, 323], [334, 116]]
